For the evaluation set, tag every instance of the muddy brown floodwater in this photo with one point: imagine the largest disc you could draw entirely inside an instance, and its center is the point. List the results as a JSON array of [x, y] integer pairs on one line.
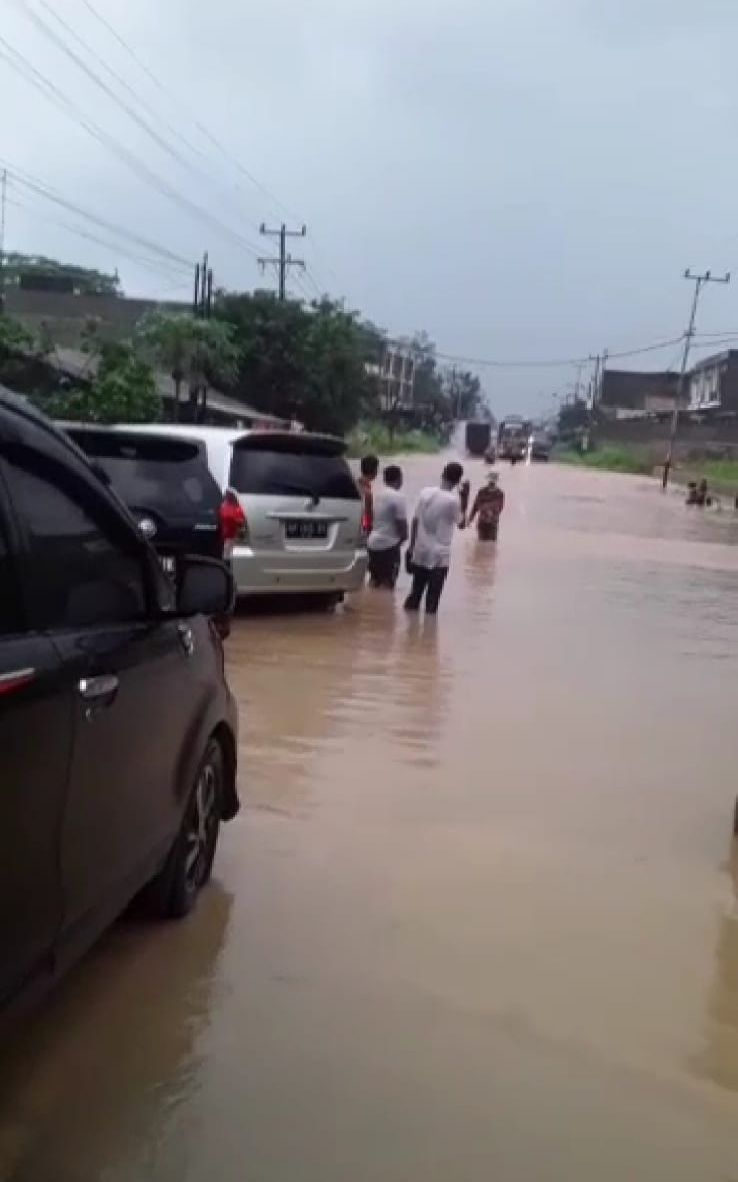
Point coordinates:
[[478, 918]]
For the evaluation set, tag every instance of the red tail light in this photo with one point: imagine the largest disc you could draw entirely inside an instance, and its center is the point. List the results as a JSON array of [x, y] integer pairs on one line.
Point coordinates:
[[231, 518]]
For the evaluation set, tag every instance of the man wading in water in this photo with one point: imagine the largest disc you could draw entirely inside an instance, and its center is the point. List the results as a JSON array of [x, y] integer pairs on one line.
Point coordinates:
[[389, 532], [438, 512]]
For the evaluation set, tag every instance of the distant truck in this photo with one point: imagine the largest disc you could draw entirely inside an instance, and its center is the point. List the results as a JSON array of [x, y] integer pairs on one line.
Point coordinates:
[[512, 438], [478, 438]]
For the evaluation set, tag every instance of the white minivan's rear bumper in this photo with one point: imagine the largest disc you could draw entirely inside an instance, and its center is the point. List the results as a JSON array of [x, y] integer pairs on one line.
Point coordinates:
[[262, 573]]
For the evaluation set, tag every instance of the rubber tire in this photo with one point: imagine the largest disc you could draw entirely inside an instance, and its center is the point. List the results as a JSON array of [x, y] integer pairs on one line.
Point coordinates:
[[172, 895]]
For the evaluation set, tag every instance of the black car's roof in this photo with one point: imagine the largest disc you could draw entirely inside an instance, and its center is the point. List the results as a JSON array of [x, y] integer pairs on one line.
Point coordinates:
[[15, 406]]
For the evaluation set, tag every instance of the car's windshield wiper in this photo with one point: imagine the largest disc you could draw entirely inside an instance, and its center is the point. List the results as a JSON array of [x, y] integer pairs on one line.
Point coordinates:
[[303, 490]]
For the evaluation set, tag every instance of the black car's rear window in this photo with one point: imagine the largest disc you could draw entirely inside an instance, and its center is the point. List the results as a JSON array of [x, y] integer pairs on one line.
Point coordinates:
[[151, 472], [279, 472]]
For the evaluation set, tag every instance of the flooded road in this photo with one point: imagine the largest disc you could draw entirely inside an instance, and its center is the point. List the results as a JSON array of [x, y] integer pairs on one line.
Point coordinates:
[[478, 918]]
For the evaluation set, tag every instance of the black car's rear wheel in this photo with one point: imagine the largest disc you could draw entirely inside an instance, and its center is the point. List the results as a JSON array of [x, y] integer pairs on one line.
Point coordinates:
[[190, 862]]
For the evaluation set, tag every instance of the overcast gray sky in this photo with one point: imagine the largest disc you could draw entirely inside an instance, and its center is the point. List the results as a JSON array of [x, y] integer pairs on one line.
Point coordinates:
[[520, 178]]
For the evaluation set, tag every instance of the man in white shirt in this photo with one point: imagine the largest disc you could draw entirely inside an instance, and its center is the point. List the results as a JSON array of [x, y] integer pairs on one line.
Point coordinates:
[[389, 531], [438, 512]]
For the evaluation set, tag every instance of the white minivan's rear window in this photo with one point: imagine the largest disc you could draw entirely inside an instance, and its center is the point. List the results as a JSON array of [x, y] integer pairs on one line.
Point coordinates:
[[297, 472]]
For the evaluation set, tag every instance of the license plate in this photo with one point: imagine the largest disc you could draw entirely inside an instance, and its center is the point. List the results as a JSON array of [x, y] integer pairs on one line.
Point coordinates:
[[306, 529], [168, 564]]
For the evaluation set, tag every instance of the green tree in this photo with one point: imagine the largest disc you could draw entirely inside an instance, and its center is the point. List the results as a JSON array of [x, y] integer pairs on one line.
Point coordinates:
[[338, 389], [191, 350], [463, 392], [297, 362], [574, 416], [271, 340], [15, 338], [19, 362], [122, 390]]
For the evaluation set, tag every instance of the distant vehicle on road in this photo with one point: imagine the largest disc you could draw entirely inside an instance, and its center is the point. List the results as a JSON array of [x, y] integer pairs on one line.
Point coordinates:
[[539, 447], [118, 733], [477, 438], [512, 438], [291, 511]]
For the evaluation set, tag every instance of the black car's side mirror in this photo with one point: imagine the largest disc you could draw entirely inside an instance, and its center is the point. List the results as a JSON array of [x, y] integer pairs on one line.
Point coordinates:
[[205, 586]]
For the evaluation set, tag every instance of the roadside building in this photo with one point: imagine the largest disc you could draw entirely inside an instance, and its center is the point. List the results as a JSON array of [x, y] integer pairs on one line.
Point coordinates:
[[63, 317], [713, 383], [632, 394], [219, 409]]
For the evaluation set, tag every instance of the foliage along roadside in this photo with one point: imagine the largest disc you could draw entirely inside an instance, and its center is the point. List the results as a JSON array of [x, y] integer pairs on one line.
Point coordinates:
[[375, 438], [609, 459], [320, 364]]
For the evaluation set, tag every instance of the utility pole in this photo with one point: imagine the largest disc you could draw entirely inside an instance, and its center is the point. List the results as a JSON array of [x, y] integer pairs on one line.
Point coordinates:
[[595, 382], [3, 202], [196, 292], [603, 369], [699, 282], [284, 261], [202, 306]]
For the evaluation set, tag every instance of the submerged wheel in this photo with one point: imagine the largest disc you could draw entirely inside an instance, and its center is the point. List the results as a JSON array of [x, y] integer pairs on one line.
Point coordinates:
[[190, 861]]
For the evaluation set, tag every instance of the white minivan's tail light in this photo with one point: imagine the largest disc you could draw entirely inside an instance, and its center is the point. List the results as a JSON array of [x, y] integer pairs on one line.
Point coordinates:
[[231, 518]]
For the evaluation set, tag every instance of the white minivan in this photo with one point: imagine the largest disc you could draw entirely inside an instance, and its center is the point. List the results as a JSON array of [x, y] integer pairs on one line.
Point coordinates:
[[291, 516]]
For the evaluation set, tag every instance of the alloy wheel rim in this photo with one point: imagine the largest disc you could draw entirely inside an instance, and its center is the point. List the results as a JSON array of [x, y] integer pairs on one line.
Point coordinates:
[[201, 827]]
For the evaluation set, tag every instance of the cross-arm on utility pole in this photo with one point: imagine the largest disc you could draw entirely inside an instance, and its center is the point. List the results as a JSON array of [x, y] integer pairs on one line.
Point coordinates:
[[284, 261], [699, 282]]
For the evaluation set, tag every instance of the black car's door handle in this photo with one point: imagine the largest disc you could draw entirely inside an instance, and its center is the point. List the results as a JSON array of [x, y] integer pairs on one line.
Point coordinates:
[[186, 639], [98, 691]]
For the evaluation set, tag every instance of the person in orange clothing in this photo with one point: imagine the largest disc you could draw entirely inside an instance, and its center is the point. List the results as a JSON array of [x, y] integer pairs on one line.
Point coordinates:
[[369, 470]]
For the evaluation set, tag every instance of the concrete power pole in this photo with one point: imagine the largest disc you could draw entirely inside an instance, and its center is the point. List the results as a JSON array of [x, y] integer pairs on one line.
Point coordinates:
[[284, 261], [699, 282], [3, 202]]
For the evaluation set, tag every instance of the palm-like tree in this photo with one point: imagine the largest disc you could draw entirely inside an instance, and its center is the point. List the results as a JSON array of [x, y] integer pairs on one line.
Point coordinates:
[[190, 349]]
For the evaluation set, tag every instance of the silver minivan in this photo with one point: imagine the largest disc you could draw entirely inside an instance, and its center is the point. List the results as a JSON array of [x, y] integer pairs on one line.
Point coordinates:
[[291, 515]]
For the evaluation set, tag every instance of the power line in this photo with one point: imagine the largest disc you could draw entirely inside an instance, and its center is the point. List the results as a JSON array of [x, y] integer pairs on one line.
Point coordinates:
[[21, 64], [88, 49], [197, 168], [204, 131], [81, 64], [141, 122], [153, 265], [27, 180], [311, 280], [558, 362]]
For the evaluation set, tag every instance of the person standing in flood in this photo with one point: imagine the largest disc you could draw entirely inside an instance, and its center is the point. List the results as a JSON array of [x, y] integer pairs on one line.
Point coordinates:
[[390, 530], [487, 508], [369, 469], [439, 511]]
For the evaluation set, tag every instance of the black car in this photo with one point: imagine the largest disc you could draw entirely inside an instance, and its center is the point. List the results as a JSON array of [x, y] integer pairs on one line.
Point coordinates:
[[165, 482], [117, 728]]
